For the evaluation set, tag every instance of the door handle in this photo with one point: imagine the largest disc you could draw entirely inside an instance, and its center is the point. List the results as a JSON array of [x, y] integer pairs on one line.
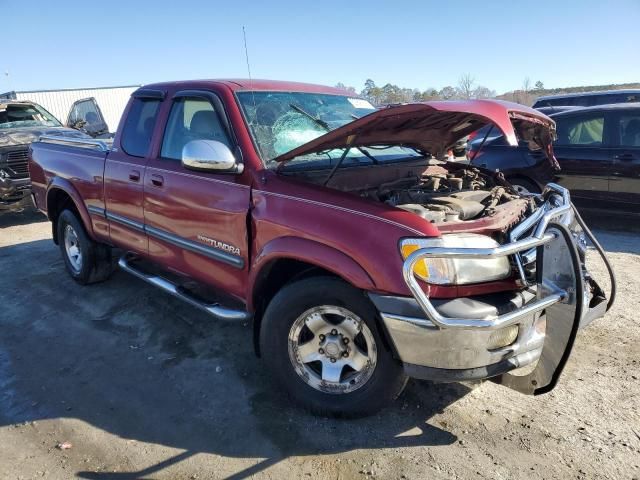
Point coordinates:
[[157, 180], [624, 156], [134, 175]]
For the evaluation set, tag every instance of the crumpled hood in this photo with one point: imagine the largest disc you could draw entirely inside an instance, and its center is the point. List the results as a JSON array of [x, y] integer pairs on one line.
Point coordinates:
[[433, 126], [24, 136]]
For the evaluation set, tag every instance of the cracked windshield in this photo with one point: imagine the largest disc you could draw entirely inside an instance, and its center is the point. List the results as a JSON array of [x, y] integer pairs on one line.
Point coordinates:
[[282, 121]]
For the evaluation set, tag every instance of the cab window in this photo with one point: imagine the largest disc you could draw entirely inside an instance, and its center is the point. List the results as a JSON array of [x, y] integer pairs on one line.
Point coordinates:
[[191, 119], [138, 127]]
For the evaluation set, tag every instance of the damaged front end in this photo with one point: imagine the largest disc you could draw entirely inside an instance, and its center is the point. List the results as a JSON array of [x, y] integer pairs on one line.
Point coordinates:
[[530, 330]]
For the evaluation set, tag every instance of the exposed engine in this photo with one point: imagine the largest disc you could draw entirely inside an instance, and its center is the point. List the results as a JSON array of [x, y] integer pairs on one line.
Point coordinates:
[[441, 196]]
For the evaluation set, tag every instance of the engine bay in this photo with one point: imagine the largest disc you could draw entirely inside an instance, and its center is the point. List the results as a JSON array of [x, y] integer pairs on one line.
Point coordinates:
[[441, 195]]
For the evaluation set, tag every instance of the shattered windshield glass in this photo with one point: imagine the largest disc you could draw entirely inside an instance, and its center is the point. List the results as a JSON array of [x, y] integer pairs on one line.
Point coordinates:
[[282, 121], [14, 115]]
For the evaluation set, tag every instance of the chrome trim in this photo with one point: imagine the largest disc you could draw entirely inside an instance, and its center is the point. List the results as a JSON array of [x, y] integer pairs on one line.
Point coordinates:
[[207, 155], [539, 223], [419, 342], [542, 220], [89, 143], [211, 252], [216, 310], [127, 222], [100, 212]]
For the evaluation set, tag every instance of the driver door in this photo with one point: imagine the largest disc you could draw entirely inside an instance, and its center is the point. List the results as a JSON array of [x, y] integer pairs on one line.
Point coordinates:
[[196, 221]]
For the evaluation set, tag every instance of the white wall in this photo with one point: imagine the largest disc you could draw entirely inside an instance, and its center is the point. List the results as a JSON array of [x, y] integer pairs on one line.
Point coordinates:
[[112, 101]]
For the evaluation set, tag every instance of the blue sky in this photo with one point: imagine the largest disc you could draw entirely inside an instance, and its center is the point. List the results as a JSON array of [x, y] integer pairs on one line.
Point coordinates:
[[419, 44]]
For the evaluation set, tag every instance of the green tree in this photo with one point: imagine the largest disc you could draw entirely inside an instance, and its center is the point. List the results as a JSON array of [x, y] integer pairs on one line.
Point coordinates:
[[538, 86]]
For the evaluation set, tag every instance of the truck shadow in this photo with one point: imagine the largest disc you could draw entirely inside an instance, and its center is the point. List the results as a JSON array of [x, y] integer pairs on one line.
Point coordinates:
[[140, 365]]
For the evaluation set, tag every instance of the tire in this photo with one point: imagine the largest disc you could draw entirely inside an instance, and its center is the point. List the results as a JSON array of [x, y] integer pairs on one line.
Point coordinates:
[[358, 392], [86, 261], [523, 185]]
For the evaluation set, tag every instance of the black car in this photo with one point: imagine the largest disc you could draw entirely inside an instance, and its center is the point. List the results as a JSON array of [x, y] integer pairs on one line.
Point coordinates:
[[597, 149], [588, 99]]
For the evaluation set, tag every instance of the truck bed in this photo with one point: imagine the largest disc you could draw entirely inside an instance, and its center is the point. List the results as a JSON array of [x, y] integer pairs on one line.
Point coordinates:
[[78, 162]]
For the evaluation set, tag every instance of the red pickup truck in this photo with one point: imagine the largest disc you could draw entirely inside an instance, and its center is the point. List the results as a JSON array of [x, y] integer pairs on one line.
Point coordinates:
[[359, 257]]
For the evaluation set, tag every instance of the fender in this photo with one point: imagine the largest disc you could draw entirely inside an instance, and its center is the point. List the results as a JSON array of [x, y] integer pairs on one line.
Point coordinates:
[[66, 186], [311, 252]]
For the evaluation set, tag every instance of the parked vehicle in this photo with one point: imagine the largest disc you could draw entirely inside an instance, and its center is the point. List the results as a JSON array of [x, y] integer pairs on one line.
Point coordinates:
[[358, 257], [598, 154], [20, 123], [589, 99], [558, 109], [85, 115]]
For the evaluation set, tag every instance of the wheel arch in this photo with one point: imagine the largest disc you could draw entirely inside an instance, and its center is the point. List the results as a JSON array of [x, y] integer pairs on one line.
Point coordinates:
[[526, 178], [288, 259], [60, 195]]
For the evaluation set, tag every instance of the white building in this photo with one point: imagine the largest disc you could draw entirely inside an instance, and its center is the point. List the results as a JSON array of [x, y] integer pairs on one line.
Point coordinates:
[[111, 100]]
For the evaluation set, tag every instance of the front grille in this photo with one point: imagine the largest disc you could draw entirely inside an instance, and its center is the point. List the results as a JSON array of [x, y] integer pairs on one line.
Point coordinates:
[[17, 164]]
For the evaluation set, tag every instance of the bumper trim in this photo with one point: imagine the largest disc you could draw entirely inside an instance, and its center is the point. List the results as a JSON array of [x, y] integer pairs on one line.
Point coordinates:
[[449, 375], [498, 322], [537, 239]]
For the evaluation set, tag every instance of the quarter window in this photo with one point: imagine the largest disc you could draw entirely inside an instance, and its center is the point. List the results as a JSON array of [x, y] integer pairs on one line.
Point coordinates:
[[580, 130], [191, 119], [138, 127]]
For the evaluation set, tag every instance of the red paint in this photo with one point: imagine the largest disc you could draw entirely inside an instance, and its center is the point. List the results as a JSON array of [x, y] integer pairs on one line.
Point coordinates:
[[266, 215]]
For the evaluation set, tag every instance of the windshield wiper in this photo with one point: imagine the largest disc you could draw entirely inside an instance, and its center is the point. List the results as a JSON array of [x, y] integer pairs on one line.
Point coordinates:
[[325, 125], [317, 120]]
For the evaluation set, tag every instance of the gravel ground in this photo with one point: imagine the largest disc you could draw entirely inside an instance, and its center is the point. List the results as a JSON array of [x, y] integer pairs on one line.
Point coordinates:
[[139, 385]]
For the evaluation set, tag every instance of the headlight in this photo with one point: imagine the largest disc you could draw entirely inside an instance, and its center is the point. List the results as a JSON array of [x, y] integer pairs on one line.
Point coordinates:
[[449, 271]]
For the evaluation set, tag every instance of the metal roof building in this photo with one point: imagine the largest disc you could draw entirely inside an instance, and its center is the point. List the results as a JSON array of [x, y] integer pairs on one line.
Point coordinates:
[[111, 100]]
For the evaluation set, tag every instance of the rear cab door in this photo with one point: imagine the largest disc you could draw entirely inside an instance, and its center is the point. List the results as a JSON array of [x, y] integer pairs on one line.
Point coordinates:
[[624, 183], [124, 171], [582, 150], [196, 221]]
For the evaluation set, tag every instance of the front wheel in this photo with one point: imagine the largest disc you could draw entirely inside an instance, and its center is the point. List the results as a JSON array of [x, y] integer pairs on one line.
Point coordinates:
[[320, 340]]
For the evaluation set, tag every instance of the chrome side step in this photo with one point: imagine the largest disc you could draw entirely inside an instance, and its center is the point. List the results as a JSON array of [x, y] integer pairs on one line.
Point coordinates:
[[215, 309]]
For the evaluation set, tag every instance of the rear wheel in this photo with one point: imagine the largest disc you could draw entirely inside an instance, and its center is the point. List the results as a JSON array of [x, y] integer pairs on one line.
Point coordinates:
[[86, 261], [320, 340]]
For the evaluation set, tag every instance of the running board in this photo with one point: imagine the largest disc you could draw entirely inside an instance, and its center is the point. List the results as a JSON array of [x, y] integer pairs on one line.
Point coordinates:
[[215, 309]]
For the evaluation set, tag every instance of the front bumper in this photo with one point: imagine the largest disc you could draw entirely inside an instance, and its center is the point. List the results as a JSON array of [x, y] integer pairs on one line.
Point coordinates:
[[450, 340], [14, 189], [460, 354]]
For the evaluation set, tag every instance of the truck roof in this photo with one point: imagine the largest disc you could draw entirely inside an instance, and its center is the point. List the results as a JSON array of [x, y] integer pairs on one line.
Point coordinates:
[[240, 84], [9, 101]]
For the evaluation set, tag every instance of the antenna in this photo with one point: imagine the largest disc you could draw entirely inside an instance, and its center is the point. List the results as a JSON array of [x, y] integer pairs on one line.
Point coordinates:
[[246, 54]]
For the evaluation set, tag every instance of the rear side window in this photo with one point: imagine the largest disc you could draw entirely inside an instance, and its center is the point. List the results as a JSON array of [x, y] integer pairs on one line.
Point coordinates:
[[138, 127], [191, 119], [585, 130], [629, 130]]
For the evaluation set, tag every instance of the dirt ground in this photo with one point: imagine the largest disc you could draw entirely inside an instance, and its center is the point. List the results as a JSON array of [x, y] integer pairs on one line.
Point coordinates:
[[143, 386]]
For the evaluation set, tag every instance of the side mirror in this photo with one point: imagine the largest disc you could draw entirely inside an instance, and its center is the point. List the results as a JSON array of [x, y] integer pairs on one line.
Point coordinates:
[[209, 155]]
